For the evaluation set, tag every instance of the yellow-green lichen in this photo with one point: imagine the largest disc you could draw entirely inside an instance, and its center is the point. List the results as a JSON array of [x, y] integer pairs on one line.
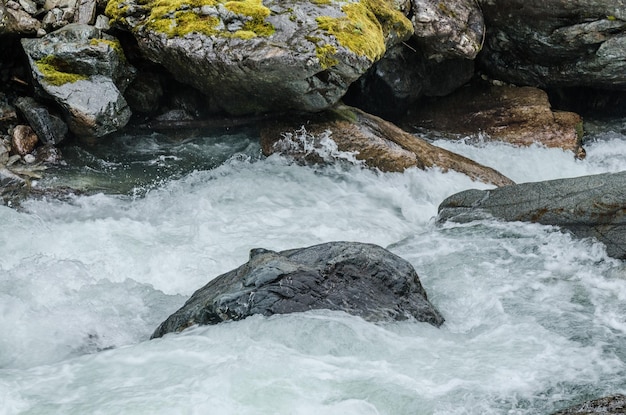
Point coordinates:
[[321, 2], [365, 27], [114, 44], [56, 72], [611, 18], [326, 55], [177, 18]]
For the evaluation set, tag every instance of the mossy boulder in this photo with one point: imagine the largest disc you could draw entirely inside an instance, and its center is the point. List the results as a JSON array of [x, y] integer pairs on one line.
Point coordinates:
[[257, 56], [84, 71]]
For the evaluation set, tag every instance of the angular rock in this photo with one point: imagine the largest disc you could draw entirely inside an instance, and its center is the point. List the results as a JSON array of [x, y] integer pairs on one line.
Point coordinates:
[[520, 116], [25, 24], [23, 140], [610, 405], [86, 12], [555, 43], [264, 56], [376, 142], [361, 279], [588, 206], [450, 29], [8, 24], [49, 128], [85, 71]]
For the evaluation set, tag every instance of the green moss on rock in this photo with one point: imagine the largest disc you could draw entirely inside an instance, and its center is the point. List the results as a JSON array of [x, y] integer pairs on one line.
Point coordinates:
[[176, 18], [326, 55], [365, 27], [55, 71]]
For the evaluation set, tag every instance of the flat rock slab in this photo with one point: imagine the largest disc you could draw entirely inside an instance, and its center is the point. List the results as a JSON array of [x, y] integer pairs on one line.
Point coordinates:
[[361, 279], [588, 206]]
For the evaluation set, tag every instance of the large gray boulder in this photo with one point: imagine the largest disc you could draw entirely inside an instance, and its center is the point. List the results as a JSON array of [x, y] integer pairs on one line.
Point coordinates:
[[361, 279], [555, 43], [85, 71], [254, 56], [588, 206]]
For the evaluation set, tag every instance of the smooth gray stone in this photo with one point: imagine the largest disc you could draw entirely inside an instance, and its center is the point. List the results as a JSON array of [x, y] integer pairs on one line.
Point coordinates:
[[588, 206]]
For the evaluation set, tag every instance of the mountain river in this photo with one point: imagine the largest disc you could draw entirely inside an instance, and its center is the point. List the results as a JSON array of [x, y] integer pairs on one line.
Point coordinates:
[[535, 319]]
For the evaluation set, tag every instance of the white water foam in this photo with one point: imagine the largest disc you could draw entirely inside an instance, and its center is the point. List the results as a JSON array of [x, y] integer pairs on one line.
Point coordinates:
[[535, 318]]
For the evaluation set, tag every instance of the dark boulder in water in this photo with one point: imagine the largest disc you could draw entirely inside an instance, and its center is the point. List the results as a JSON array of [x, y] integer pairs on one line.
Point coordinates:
[[361, 279], [588, 206]]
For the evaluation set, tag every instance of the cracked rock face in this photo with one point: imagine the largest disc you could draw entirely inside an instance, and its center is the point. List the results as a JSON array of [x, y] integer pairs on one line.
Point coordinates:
[[588, 206], [552, 43], [265, 56], [361, 279]]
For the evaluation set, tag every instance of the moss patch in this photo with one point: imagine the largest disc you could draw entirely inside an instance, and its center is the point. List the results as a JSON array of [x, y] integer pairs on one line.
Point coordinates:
[[56, 72], [366, 26], [177, 18], [326, 55], [114, 44]]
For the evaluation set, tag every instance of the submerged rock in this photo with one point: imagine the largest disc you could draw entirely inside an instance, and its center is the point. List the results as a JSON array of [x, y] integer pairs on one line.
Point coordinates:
[[254, 56], [555, 43], [520, 116], [588, 206], [85, 71], [361, 279], [610, 405], [370, 139]]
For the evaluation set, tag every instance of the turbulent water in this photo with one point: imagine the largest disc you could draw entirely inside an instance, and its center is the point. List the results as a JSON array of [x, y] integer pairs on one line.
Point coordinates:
[[535, 319]]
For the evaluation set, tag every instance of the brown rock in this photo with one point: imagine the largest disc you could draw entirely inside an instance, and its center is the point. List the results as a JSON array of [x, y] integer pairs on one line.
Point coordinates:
[[25, 23], [23, 140], [378, 143], [520, 116]]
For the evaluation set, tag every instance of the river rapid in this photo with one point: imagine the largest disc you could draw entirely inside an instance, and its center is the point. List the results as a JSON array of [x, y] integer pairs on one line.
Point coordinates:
[[535, 319]]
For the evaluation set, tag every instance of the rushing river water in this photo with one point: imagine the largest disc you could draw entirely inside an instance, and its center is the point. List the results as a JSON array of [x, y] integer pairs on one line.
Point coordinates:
[[535, 319]]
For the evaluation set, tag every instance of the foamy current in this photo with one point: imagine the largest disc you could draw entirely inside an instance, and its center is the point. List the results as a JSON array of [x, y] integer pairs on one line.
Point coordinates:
[[535, 319]]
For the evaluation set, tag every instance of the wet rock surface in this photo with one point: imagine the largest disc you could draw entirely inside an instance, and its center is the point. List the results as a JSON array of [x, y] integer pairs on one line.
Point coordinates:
[[588, 206], [361, 279], [376, 142], [516, 115]]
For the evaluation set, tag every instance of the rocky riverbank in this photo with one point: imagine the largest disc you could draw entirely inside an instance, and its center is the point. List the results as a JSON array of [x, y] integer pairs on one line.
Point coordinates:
[[81, 70]]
